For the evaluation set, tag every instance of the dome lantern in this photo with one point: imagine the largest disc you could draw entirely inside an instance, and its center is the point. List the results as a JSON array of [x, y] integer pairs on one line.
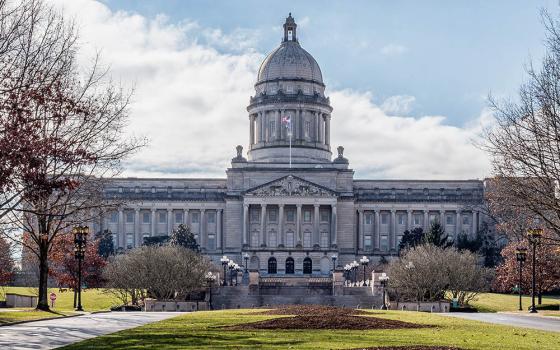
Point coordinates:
[[290, 29]]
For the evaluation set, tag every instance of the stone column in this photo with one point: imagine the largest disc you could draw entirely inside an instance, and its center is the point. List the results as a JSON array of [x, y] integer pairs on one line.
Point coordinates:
[[122, 234], [360, 243], [154, 222], [316, 122], [261, 127], [298, 224], [278, 125], [202, 227], [245, 223], [281, 233], [442, 218], [473, 231], [409, 219], [186, 217], [252, 129], [393, 231], [316, 225], [458, 223], [263, 224], [328, 131], [333, 225], [137, 233], [170, 225], [219, 233], [377, 239], [426, 221]]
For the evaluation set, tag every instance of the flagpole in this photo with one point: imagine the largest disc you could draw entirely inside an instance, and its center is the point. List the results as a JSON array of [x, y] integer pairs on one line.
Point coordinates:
[[290, 145]]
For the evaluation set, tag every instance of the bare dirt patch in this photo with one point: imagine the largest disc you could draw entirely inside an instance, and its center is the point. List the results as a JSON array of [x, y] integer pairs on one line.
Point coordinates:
[[323, 317]]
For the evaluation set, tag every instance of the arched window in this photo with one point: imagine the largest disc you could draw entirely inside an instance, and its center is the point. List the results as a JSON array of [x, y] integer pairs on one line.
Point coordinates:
[[290, 265], [307, 266], [272, 265]]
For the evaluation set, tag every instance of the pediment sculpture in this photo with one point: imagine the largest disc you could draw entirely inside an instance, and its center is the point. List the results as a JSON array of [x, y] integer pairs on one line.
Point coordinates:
[[290, 186]]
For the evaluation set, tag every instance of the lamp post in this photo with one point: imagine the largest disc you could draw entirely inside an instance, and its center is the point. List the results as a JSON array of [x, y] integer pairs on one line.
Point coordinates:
[[383, 280], [231, 266], [246, 258], [334, 257], [237, 268], [347, 271], [225, 262], [534, 235], [521, 255], [80, 239], [355, 266], [210, 279], [364, 261]]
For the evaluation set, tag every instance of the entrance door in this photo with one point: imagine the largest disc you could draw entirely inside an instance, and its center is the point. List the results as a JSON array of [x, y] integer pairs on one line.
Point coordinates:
[[290, 266], [307, 266], [272, 265]]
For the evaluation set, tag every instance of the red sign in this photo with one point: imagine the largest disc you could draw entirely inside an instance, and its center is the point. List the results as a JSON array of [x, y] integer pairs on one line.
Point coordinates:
[[53, 296]]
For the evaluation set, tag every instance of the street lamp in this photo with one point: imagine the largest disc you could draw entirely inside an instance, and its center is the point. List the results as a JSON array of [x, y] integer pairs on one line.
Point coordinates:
[[364, 261], [246, 257], [383, 280], [355, 270], [237, 268], [80, 238], [210, 279], [231, 266], [334, 257], [521, 255], [347, 271], [225, 262], [534, 236]]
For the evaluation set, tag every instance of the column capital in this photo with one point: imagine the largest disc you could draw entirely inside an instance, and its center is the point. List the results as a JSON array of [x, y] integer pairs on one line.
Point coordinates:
[[409, 211], [245, 205], [263, 205], [360, 210], [393, 211], [458, 211], [298, 206], [426, 211], [169, 210], [219, 210], [316, 205], [136, 210], [442, 211], [153, 210], [202, 210], [280, 205]]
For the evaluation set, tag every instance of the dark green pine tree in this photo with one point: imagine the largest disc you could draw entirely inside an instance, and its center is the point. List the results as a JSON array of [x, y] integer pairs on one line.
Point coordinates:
[[184, 237], [106, 245], [437, 236], [411, 238]]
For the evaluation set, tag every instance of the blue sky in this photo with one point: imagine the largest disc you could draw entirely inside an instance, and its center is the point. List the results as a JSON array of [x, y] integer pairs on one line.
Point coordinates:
[[448, 55]]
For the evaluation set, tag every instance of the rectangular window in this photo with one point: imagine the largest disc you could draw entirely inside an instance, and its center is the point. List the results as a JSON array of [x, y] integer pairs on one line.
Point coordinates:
[[307, 216], [272, 128], [417, 220], [401, 219], [146, 218], [449, 219], [290, 215], [384, 219], [129, 240], [162, 217], [384, 243], [255, 215], [465, 220], [324, 216], [211, 242], [129, 217], [324, 239], [195, 218], [178, 218], [367, 242], [272, 216], [114, 218], [368, 219], [211, 218], [433, 218], [307, 129]]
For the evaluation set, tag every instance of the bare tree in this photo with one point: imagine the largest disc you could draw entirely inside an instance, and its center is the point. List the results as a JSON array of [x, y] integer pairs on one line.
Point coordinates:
[[71, 128], [524, 143]]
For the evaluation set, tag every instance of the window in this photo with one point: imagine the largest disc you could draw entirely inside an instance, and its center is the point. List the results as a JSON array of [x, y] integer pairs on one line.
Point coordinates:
[[272, 128], [129, 217], [114, 218], [384, 219], [367, 242], [290, 88], [146, 218], [290, 34], [307, 216], [255, 213], [324, 216], [307, 128], [290, 265], [401, 219], [433, 218], [449, 219], [384, 243], [272, 265], [465, 220], [162, 217], [272, 241], [417, 219], [178, 218], [307, 266], [211, 218], [324, 239], [290, 239], [211, 242], [290, 216], [307, 239], [129, 240], [195, 218], [272, 216], [368, 219], [255, 238]]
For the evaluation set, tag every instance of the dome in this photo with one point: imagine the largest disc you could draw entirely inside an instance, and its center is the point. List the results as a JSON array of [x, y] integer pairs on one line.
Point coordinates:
[[289, 62]]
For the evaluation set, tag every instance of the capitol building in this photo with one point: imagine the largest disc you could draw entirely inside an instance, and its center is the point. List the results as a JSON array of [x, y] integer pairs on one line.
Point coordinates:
[[291, 201]]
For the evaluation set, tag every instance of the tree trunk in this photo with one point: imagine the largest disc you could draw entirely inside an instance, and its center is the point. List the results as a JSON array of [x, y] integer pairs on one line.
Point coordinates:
[[43, 302], [540, 297], [75, 295]]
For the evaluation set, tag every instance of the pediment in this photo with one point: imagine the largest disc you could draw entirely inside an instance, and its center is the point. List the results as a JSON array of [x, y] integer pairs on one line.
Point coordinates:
[[290, 186]]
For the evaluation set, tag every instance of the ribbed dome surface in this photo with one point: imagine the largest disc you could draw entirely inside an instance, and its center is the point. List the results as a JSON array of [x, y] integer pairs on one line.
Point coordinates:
[[289, 61]]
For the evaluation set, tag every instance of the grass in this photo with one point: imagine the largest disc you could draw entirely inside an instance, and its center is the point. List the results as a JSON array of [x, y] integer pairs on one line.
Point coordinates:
[[494, 302], [201, 330], [7, 317], [92, 299]]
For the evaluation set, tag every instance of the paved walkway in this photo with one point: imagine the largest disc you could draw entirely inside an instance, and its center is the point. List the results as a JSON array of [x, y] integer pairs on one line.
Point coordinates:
[[53, 333], [544, 323]]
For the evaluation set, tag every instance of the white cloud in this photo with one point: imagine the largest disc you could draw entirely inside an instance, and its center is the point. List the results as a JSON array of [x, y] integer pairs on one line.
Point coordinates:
[[190, 100], [393, 50], [398, 105]]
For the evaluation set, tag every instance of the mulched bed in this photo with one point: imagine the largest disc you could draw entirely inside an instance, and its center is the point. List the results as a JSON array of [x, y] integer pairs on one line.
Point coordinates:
[[412, 347], [323, 317]]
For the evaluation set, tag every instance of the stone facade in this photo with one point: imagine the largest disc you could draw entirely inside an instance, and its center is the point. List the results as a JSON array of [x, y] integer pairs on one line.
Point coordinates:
[[289, 205]]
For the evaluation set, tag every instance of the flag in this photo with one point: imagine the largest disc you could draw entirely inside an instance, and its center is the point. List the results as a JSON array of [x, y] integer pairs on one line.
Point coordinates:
[[286, 121]]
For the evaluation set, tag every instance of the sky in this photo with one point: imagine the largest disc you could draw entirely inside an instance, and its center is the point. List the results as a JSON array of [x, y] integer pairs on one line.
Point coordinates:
[[408, 80]]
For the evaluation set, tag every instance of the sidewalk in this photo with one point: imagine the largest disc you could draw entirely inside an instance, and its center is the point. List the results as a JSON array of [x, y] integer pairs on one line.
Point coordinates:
[[50, 334], [543, 323]]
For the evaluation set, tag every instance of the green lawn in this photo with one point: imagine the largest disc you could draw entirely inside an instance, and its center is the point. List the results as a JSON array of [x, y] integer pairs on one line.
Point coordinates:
[[201, 330], [92, 299], [7, 317], [494, 302]]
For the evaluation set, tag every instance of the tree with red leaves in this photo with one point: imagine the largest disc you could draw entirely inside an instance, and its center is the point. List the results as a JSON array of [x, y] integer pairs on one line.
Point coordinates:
[[64, 131], [548, 268]]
